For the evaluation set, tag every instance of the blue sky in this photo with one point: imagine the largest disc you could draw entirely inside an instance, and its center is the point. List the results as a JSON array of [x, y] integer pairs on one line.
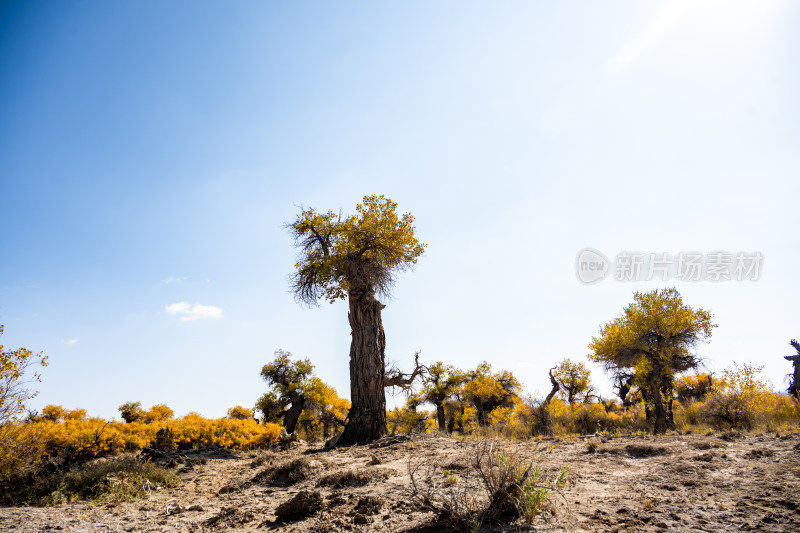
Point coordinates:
[[150, 154]]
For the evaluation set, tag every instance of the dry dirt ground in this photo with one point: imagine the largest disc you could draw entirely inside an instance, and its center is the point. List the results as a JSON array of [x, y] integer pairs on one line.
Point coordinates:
[[716, 483]]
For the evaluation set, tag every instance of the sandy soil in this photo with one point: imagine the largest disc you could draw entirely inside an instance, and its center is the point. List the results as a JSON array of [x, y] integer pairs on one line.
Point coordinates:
[[677, 483]]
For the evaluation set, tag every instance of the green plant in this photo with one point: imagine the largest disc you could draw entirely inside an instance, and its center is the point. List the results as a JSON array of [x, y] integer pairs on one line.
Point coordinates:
[[591, 446], [517, 488], [449, 478]]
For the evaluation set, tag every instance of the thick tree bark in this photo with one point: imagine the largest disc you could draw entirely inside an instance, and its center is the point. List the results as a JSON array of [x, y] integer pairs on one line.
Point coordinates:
[[440, 416], [659, 413], [291, 416], [367, 419]]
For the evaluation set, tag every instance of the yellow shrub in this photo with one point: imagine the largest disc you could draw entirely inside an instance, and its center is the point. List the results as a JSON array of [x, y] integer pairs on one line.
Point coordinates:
[[96, 437], [468, 420], [742, 400], [405, 420], [431, 425]]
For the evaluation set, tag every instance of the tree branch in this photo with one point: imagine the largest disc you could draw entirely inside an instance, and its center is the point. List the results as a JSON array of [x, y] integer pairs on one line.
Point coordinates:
[[395, 378]]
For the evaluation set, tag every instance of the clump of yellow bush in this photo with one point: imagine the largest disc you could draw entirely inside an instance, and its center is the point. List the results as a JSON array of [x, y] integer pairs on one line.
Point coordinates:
[[741, 400], [87, 438], [586, 418], [403, 420]]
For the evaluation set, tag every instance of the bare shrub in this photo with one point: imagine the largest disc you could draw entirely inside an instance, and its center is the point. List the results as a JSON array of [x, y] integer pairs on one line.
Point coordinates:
[[498, 485]]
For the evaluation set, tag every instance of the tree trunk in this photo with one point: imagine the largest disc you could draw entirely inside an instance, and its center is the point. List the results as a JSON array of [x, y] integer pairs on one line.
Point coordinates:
[[659, 413], [291, 416], [366, 421], [669, 395], [440, 416], [543, 424]]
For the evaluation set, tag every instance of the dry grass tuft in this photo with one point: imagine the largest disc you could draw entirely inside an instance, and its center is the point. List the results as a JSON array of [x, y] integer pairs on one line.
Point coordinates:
[[500, 485], [645, 450], [286, 473], [346, 478], [303, 504]]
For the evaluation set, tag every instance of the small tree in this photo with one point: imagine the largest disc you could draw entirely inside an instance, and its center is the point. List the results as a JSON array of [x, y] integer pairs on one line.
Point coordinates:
[[131, 412], [440, 383], [487, 391], [740, 397], [240, 412], [543, 424], [355, 259], [159, 413], [289, 380], [16, 374], [53, 413], [270, 408], [57, 413], [573, 380], [654, 337], [323, 407]]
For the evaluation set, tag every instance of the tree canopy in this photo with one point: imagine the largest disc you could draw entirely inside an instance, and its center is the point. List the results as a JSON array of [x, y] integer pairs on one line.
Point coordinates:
[[573, 380], [487, 391], [359, 252], [440, 383], [655, 337]]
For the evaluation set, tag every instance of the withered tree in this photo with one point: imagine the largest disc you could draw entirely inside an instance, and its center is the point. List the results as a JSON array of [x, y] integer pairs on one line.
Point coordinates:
[[794, 378], [356, 258]]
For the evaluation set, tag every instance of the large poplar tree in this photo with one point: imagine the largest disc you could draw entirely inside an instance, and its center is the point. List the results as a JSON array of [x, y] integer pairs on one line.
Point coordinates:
[[356, 258]]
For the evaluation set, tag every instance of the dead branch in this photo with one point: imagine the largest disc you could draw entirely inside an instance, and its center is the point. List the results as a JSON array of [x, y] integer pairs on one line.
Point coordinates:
[[395, 378]]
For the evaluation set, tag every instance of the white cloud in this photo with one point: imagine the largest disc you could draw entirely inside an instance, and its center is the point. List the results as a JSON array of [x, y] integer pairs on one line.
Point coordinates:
[[190, 312], [173, 279], [71, 341]]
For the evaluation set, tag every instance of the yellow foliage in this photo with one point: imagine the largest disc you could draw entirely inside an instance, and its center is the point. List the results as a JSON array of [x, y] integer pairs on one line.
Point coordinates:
[[593, 417], [57, 413], [431, 426], [693, 387], [466, 420], [240, 412], [740, 398], [159, 413], [573, 380], [406, 420], [94, 437], [375, 237]]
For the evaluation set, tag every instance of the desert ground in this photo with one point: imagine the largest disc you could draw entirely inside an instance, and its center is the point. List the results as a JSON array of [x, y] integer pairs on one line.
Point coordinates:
[[712, 482]]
